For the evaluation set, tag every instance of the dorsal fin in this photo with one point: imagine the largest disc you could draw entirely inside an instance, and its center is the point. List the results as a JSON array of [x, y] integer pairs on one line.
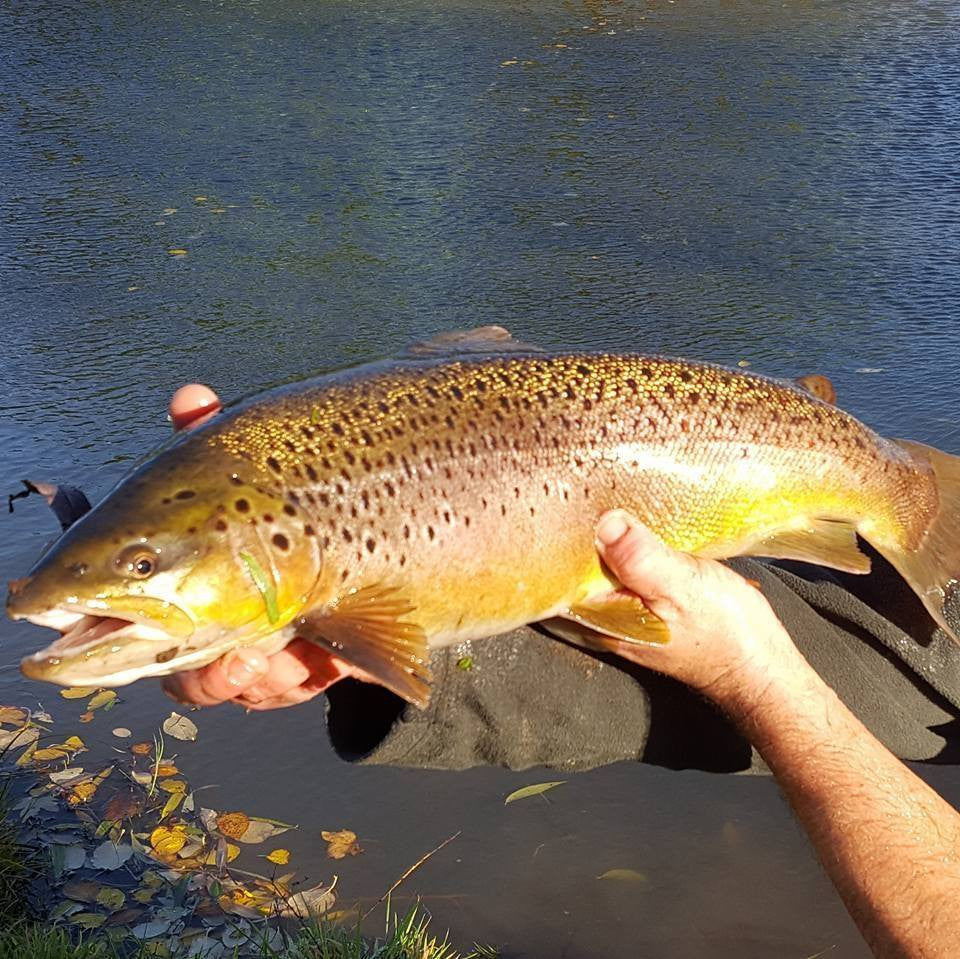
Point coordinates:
[[818, 385], [481, 339]]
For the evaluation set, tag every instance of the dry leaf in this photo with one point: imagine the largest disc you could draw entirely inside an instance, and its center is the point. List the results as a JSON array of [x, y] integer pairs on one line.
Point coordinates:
[[141, 749], [166, 769], [124, 805], [310, 902], [168, 841], [279, 856], [103, 698], [233, 824], [536, 789], [341, 843], [172, 785], [81, 793], [78, 692], [86, 717], [121, 732], [180, 727]]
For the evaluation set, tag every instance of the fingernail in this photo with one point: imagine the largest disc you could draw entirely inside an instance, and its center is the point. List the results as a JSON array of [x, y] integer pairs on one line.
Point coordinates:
[[612, 527], [243, 666]]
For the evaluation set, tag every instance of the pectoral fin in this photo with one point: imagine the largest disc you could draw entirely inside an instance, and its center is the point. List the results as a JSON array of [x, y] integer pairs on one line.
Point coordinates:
[[369, 629], [620, 616], [822, 541]]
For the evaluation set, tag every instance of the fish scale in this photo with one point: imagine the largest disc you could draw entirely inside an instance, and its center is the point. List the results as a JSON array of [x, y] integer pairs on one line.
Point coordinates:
[[453, 494]]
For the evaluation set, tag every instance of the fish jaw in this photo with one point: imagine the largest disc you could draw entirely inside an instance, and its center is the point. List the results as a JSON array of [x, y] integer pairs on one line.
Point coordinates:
[[98, 648]]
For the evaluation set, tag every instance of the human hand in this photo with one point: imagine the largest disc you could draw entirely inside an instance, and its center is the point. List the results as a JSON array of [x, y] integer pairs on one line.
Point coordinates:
[[725, 640], [295, 674]]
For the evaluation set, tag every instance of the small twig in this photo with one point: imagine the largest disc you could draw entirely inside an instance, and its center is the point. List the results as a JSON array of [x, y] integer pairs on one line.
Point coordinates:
[[409, 872]]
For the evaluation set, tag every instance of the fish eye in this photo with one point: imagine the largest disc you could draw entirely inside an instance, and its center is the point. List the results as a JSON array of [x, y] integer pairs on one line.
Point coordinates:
[[138, 562]]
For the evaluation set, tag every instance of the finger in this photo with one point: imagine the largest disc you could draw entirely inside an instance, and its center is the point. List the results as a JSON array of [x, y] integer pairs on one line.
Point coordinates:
[[226, 678], [292, 697], [193, 404], [186, 688], [285, 671], [640, 560]]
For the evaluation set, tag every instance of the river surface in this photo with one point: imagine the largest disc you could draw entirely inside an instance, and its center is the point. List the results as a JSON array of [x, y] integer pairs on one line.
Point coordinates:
[[733, 181]]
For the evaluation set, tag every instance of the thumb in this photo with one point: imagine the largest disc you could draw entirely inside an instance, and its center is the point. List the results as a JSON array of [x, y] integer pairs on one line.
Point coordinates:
[[640, 559]]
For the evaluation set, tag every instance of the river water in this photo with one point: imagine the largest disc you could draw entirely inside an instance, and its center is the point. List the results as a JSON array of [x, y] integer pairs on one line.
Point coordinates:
[[732, 181]]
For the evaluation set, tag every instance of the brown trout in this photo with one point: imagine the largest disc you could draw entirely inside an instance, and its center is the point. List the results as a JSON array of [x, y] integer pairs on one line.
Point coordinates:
[[452, 493]]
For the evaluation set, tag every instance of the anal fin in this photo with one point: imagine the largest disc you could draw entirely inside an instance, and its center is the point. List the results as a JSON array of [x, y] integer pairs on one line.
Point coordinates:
[[621, 616], [368, 628], [825, 542]]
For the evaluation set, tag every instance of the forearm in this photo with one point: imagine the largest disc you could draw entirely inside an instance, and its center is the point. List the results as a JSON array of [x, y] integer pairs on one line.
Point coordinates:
[[890, 844]]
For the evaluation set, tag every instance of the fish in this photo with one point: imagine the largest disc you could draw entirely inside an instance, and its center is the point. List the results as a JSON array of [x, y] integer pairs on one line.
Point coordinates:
[[451, 493]]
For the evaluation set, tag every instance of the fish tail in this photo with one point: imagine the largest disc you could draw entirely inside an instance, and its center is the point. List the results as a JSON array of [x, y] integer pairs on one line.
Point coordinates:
[[932, 567]]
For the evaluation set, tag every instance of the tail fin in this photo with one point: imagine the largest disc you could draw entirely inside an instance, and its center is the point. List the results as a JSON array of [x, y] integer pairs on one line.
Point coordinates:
[[933, 568]]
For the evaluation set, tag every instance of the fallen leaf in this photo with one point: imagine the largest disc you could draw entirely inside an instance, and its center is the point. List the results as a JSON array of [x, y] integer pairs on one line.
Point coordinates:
[[200, 199], [310, 902], [121, 732], [180, 727], [126, 917], [18, 738], [279, 856], [166, 769], [536, 789], [172, 785], [82, 792], [87, 920], [169, 211], [103, 698], [172, 803], [168, 841], [624, 875], [78, 692], [260, 830], [176, 251], [150, 930], [111, 899], [341, 843], [86, 717], [141, 749], [83, 890], [110, 855], [233, 824], [64, 776]]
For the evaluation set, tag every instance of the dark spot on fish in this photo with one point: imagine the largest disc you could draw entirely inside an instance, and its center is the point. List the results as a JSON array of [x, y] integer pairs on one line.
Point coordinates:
[[349, 457], [242, 506], [457, 392], [324, 499], [191, 530], [274, 464], [503, 509], [167, 654], [367, 465], [583, 370], [403, 559], [347, 535], [311, 472], [337, 428], [694, 397], [289, 510], [344, 575], [371, 544], [280, 541], [366, 437], [686, 376], [446, 516], [220, 525], [268, 517], [431, 532]]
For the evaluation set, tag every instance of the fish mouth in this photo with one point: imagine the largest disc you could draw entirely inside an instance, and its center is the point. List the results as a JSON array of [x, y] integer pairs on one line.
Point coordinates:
[[90, 639]]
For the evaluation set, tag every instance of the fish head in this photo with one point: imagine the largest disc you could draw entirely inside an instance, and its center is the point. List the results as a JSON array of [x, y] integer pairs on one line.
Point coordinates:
[[181, 562]]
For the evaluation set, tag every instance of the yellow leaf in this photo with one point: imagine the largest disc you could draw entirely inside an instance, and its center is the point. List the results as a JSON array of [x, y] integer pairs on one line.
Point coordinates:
[[167, 769], [176, 251], [172, 785], [232, 852], [172, 803], [73, 743], [233, 824], [145, 895], [200, 199], [82, 792], [279, 856], [167, 841], [341, 843], [103, 698], [78, 692]]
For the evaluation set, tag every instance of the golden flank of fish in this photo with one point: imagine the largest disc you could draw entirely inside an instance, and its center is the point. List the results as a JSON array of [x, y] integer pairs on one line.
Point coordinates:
[[452, 494]]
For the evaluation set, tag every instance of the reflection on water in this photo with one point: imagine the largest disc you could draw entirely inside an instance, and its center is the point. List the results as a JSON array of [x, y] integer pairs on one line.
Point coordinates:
[[726, 180]]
